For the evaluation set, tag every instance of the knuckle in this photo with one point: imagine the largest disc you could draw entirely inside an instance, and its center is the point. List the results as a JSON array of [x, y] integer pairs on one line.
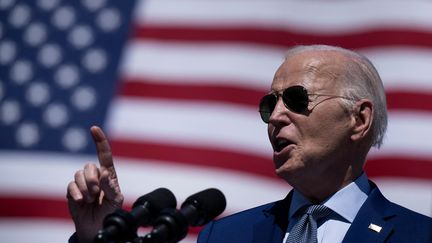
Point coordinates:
[[78, 175], [89, 166], [71, 185]]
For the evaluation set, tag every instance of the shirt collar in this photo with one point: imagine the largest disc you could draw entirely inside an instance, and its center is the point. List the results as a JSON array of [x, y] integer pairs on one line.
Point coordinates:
[[345, 202]]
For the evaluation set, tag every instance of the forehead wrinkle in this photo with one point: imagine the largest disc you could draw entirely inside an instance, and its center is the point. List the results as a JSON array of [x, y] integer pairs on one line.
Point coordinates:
[[315, 71], [322, 73]]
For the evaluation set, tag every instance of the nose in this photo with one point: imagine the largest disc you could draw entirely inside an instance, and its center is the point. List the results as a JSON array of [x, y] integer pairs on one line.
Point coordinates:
[[279, 114]]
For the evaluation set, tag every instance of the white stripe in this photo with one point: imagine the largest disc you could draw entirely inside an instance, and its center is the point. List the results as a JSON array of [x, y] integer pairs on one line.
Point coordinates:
[[239, 128], [242, 190], [35, 230], [47, 176], [406, 68], [254, 66], [44, 175], [234, 64], [44, 230], [305, 16], [410, 193], [216, 125], [408, 134]]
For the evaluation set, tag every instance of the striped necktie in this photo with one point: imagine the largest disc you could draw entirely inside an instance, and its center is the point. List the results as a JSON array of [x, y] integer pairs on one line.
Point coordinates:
[[305, 231]]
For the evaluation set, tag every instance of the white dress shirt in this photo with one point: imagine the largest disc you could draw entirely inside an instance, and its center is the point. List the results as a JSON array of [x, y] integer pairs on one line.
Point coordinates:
[[345, 205]]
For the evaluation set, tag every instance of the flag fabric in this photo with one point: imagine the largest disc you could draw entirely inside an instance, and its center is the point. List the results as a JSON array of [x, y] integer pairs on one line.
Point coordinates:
[[175, 85]]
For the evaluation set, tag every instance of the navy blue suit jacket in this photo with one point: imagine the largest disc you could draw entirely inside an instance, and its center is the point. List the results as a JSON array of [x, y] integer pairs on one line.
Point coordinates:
[[268, 223]]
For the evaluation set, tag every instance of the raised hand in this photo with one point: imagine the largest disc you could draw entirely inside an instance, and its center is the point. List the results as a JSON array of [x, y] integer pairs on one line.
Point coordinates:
[[95, 192]]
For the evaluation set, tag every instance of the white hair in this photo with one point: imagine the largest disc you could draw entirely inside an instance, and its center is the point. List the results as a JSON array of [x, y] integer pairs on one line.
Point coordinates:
[[361, 81]]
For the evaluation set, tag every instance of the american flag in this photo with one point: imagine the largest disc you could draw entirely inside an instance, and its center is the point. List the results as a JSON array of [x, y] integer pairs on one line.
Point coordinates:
[[175, 84]]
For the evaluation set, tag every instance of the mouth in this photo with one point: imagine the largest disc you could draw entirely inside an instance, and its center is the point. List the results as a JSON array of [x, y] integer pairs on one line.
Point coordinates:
[[281, 143]]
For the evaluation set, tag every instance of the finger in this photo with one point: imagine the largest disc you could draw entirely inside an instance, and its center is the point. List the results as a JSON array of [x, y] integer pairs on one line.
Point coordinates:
[[102, 147], [91, 175], [82, 186], [111, 189], [73, 193]]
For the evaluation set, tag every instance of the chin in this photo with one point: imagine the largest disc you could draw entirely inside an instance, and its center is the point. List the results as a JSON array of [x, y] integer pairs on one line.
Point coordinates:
[[285, 171], [287, 177], [289, 171]]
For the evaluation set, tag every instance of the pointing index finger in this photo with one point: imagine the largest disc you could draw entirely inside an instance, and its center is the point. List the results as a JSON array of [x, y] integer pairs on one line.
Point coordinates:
[[102, 147]]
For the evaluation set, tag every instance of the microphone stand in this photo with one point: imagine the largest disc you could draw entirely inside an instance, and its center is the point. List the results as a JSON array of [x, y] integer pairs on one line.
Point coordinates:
[[170, 227], [118, 227]]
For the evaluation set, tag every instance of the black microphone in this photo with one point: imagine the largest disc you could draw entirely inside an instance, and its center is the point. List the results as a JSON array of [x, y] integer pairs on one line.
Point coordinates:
[[122, 226], [198, 209]]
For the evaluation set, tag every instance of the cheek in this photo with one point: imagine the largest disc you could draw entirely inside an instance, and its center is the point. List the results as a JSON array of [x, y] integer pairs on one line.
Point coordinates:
[[326, 134]]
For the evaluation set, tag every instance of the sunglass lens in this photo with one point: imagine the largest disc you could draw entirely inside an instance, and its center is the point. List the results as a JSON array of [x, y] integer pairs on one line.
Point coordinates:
[[267, 106], [296, 98]]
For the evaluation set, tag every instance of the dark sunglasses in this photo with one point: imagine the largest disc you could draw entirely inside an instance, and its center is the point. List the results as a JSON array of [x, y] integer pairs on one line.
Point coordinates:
[[295, 98]]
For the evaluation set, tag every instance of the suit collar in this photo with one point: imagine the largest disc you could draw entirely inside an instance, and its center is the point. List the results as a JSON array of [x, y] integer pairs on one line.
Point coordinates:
[[345, 203], [273, 227], [376, 213], [372, 223]]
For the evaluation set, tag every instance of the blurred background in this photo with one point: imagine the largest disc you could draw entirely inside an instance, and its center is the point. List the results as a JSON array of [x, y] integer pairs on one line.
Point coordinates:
[[175, 84]]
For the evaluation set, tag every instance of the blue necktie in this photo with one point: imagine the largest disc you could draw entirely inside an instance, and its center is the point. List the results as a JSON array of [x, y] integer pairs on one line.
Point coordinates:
[[305, 231]]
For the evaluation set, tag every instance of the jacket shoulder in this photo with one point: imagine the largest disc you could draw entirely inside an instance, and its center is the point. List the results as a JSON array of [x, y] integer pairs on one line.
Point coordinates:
[[238, 227], [396, 223]]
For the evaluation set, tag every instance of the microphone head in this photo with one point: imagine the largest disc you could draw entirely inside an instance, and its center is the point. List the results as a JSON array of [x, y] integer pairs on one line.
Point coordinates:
[[208, 203], [157, 200]]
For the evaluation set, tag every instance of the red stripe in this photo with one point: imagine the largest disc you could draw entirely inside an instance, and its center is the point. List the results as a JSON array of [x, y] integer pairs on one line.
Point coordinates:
[[400, 166], [20, 207], [371, 37], [409, 100], [183, 154], [232, 94], [410, 167], [33, 207], [29, 207], [396, 99]]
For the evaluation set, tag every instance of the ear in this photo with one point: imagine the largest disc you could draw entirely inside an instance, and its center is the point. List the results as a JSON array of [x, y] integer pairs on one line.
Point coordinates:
[[362, 119]]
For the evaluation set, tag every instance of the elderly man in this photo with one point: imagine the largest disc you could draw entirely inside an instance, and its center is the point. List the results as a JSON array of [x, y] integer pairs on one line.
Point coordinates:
[[325, 110]]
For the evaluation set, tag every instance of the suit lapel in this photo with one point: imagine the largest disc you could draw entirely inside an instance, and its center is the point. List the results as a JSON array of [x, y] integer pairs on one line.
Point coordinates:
[[273, 227], [267, 231], [372, 223]]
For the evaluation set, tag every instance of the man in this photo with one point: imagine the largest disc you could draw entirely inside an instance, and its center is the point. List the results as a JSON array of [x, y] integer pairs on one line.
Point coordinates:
[[326, 109]]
